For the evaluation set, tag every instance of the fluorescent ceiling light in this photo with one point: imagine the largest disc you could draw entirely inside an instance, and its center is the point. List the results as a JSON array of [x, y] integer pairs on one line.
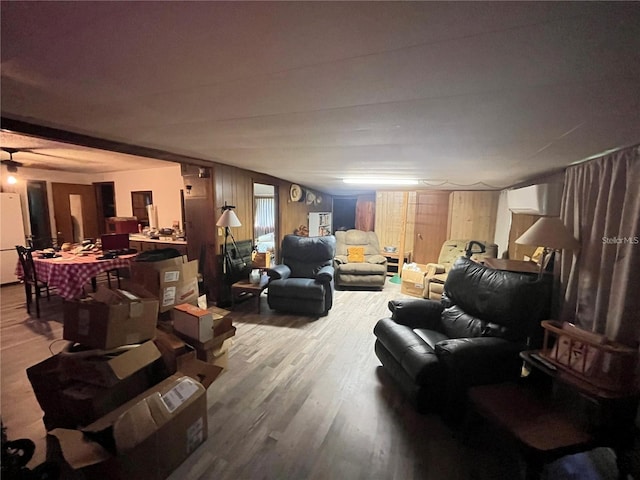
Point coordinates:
[[381, 181]]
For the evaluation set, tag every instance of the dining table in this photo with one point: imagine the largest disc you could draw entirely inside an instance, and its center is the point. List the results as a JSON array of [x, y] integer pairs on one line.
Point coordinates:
[[69, 272]]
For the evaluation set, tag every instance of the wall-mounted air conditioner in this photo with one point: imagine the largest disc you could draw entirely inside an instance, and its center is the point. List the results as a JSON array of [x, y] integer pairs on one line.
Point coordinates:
[[543, 199]]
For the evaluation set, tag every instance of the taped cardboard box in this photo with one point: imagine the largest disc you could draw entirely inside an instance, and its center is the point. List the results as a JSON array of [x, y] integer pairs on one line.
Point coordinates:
[[413, 279], [173, 281], [148, 437], [205, 350], [178, 355], [111, 318], [69, 403], [105, 368], [193, 321]]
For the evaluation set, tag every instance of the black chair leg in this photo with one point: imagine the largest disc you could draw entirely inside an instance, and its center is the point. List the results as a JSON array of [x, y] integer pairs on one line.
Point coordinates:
[[27, 293], [37, 302]]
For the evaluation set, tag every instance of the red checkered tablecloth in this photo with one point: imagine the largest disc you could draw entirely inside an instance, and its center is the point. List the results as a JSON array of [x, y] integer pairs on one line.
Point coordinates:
[[70, 273]]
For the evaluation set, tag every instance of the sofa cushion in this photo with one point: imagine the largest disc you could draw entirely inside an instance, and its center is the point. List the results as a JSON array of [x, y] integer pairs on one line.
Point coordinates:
[[301, 288], [431, 337], [364, 268]]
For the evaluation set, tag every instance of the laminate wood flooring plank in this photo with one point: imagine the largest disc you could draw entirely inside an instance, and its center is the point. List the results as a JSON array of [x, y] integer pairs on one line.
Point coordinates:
[[302, 398]]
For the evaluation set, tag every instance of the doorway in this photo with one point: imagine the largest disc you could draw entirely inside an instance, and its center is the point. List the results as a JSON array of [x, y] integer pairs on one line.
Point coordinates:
[[38, 202], [85, 211], [139, 202], [431, 223], [265, 218], [106, 201]]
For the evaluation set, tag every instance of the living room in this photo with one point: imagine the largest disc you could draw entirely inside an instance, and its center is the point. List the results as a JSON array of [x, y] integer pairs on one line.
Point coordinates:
[[535, 103]]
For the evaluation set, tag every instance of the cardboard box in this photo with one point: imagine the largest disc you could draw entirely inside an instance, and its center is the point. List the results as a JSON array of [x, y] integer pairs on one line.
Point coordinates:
[[84, 403], [413, 279], [219, 356], [179, 356], [111, 318], [205, 350], [261, 260], [69, 403], [105, 368], [47, 385], [192, 321], [173, 281], [147, 437]]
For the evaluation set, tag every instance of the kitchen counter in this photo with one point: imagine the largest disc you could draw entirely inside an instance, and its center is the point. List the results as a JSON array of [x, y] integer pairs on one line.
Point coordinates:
[[162, 239], [142, 243]]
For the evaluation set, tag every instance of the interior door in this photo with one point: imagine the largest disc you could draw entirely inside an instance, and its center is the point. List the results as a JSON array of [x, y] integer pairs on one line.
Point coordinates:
[[39, 214], [431, 221], [62, 195]]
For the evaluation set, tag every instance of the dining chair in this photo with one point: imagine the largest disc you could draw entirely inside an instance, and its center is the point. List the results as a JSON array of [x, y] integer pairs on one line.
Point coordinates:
[[31, 283]]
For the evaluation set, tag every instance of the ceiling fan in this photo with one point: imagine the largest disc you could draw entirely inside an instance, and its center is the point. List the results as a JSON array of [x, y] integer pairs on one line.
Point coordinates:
[[12, 165]]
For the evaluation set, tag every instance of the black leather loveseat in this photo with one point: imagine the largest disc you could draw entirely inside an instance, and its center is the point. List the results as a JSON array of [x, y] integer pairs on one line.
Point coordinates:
[[435, 350]]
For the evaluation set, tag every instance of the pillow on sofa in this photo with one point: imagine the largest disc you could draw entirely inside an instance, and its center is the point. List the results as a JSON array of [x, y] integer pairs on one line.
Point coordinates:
[[355, 254]]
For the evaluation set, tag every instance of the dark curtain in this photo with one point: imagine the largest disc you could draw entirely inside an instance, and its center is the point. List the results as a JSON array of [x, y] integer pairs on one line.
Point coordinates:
[[366, 213], [601, 283]]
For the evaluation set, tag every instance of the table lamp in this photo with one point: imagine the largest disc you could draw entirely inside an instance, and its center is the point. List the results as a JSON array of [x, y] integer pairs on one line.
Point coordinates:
[[550, 233]]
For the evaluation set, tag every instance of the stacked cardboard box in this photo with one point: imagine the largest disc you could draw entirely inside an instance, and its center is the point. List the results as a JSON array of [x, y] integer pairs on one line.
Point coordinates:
[[413, 279], [208, 331], [109, 382], [174, 281]]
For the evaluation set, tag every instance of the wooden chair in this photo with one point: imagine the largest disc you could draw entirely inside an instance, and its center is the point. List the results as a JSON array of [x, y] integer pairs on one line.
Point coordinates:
[[31, 283]]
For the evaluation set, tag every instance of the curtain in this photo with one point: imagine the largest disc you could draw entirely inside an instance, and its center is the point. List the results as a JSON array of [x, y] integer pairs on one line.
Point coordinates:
[[600, 284], [265, 216], [366, 213]]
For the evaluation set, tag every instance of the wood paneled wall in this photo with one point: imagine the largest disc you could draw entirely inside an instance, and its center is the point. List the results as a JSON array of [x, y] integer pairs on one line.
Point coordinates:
[[473, 215], [520, 223], [389, 217], [203, 205]]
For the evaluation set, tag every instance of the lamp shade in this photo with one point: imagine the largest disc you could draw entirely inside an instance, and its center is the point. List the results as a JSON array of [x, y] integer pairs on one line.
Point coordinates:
[[228, 219], [549, 232]]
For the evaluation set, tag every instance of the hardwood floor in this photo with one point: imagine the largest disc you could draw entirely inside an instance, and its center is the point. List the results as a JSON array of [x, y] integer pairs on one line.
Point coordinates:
[[301, 399]]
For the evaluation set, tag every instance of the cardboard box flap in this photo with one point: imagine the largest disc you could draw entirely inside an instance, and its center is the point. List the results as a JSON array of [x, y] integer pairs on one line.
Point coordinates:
[[135, 425], [125, 365], [127, 426], [203, 372], [78, 450]]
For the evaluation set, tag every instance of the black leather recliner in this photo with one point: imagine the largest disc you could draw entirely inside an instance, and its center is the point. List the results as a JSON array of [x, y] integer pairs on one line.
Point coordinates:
[[303, 282], [436, 350]]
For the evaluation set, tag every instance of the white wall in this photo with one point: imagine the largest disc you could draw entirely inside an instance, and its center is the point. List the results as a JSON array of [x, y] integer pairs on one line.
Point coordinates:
[[165, 183]]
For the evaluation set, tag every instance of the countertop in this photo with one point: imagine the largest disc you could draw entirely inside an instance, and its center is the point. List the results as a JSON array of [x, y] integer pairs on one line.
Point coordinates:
[[162, 239]]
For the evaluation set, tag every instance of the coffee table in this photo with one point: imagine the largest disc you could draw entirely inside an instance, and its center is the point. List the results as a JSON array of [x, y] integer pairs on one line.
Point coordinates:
[[244, 288]]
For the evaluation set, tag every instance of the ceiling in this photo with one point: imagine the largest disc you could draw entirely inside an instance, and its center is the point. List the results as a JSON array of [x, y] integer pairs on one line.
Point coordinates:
[[455, 94]]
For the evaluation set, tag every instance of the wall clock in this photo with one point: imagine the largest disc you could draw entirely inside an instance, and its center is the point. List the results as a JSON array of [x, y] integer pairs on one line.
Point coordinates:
[[295, 192]]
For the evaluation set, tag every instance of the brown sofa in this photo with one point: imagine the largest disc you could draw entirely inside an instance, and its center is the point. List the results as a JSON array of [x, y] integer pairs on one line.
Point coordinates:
[[451, 250], [369, 271]]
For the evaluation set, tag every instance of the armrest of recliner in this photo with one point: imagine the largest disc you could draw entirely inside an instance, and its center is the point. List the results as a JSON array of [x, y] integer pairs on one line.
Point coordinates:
[[435, 269], [480, 360], [325, 274], [376, 258], [417, 313], [340, 259], [278, 272]]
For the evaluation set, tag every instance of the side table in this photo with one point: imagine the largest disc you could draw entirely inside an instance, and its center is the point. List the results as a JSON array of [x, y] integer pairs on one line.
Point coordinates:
[[244, 288]]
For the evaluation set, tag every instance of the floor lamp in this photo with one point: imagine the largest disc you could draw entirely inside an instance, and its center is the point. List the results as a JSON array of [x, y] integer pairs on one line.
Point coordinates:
[[227, 219]]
